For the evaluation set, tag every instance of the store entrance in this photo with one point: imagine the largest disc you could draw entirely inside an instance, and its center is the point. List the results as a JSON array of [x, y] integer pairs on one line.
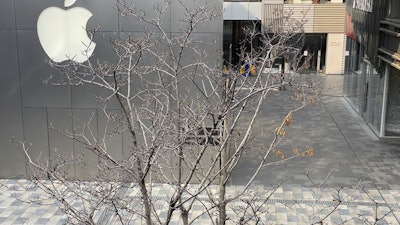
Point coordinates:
[[234, 35], [315, 44]]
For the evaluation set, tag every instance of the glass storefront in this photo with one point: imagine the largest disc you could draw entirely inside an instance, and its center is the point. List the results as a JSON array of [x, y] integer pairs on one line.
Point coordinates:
[[372, 75], [353, 74], [364, 87], [315, 44]]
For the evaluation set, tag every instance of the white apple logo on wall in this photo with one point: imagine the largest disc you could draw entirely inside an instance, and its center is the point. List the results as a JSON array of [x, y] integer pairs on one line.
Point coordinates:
[[62, 33]]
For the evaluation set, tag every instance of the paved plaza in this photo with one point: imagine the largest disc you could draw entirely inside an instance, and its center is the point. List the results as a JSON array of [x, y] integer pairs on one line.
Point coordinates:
[[346, 151], [349, 164]]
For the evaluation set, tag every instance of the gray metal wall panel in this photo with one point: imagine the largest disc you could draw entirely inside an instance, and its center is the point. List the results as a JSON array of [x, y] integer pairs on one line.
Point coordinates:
[[30, 105], [103, 11], [178, 15], [104, 14], [88, 169], [130, 23], [107, 131], [12, 161], [59, 144], [126, 144], [205, 42], [104, 49], [85, 96], [9, 81], [35, 131], [210, 55], [7, 16], [34, 71], [28, 11]]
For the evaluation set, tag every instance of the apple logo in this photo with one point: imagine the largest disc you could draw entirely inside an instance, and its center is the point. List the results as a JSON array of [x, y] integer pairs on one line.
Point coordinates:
[[62, 33]]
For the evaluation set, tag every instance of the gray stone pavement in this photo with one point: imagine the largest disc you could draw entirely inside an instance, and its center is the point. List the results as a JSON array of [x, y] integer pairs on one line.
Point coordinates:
[[346, 154]]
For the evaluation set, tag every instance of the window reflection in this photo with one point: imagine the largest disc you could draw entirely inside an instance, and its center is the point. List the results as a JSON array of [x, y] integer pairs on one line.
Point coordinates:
[[393, 104]]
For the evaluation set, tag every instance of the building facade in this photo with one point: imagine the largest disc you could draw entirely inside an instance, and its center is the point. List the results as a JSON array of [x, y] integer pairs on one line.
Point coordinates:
[[29, 106], [239, 15], [324, 26], [372, 78]]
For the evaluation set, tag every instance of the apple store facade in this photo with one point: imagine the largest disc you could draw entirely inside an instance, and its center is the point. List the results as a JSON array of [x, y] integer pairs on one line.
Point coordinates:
[[29, 36]]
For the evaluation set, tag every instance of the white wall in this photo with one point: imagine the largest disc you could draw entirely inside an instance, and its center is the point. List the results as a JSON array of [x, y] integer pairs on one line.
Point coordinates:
[[334, 54], [242, 10]]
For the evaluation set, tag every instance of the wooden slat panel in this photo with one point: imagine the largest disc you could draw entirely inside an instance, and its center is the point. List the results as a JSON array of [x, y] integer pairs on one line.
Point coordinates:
[[317, 18], [303, 13], [329, 18], [272, 16]]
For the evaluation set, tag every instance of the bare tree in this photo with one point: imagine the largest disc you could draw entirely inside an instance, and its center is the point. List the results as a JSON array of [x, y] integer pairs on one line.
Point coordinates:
[[188, 123]]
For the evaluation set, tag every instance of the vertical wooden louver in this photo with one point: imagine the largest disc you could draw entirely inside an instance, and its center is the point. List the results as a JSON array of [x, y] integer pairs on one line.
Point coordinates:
[[272, 17]]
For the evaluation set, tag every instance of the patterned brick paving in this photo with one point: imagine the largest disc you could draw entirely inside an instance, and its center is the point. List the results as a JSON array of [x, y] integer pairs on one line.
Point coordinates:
[[19, 204]]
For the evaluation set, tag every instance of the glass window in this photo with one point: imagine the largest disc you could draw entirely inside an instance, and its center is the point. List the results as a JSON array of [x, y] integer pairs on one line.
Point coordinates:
[[394, 6], [354, 74], [393, 104], [375, 100]]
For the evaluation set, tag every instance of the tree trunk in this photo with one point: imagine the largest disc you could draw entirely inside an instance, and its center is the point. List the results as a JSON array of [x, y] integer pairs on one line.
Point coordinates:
[[222, 203], [144, 194], [185, 216], [223, 162]]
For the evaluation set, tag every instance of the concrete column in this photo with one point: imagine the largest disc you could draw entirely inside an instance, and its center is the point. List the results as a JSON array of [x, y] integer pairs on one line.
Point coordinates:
[[334, 53]]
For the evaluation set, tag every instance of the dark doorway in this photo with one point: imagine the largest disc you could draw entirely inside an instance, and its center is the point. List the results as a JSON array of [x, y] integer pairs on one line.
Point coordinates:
[[315, 44], [234, 36]]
